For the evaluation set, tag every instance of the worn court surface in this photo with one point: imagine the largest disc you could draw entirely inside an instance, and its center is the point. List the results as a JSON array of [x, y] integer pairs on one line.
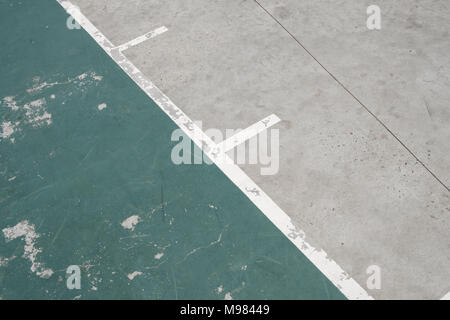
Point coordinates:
[[364, 167]]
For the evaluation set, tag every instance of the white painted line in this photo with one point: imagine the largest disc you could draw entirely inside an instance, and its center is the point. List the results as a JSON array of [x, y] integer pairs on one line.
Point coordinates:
[[141, 39], [248, 133], [446, 297], [349, 287]]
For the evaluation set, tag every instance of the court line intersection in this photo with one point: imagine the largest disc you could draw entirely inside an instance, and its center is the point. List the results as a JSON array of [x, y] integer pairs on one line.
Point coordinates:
[[347, 285]]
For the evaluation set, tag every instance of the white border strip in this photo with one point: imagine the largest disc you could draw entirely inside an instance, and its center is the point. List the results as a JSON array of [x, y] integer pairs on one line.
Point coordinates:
[[248, 133], [349, 287], [142, 38]]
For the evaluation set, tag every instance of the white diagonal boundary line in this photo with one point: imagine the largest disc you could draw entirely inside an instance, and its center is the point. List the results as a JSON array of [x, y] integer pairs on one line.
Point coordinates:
[[347, 285], [446, 297], [248, 133], [138, 40]]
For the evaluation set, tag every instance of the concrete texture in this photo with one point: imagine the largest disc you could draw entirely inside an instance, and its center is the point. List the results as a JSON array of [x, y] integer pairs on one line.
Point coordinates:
[[401, 72], [344, 179]]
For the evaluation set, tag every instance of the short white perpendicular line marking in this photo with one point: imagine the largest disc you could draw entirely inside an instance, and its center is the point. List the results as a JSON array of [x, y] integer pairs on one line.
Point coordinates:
[[348, 286], [248, 133], [138, 40], [446, 297]]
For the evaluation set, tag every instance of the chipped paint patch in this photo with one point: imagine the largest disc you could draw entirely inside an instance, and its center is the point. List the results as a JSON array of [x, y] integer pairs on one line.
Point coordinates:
[[159, 256], [41, 86], [131, 276], [4, 261], [84, 79], [7, 129], [27, 230], [36, 113], [11, 103], [219, 289], [228, 296], [131, 222], [102, 106]]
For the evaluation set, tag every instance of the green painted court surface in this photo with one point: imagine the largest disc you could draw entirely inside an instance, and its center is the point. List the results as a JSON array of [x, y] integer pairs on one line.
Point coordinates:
[[75, 170]]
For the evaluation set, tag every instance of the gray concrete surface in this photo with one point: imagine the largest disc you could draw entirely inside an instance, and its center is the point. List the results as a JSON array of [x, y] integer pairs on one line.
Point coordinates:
[[401, 72], [344, 179]]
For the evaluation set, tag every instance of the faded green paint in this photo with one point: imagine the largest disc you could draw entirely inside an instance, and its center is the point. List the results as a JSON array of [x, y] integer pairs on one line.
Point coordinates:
[[79, 177]]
